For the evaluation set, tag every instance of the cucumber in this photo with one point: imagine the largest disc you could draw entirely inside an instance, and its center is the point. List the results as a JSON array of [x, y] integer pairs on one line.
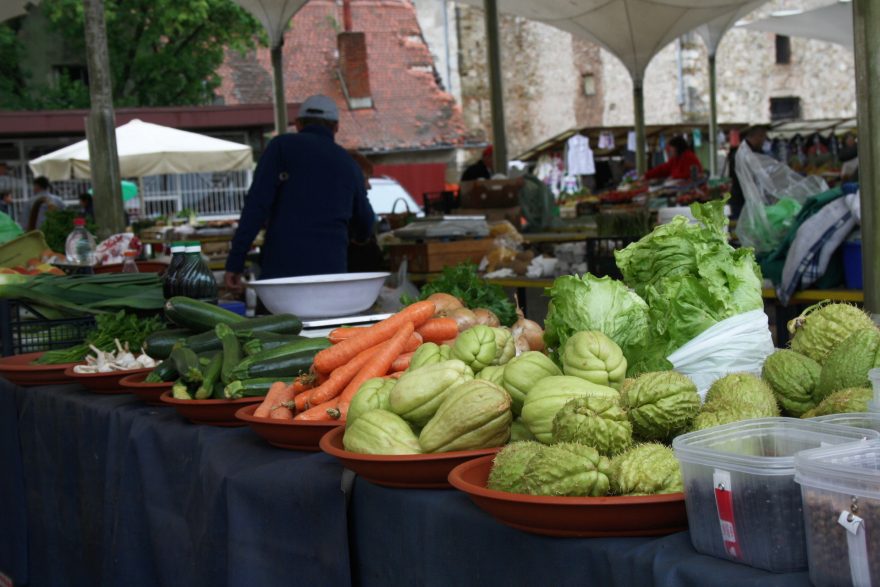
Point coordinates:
[[159, 344], [249, 387], [231, 351], [180, 391], [244, 370], [198, 316], [286, 367], [164, 371], [187, 364], [211, 376], [280, 324]]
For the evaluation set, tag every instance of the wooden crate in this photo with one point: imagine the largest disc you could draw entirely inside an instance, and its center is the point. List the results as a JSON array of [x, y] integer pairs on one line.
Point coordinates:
[[433, 256]]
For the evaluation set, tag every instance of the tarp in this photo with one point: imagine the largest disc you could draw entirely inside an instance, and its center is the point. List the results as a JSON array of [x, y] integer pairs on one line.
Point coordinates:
[[832, 23], [714, 30], [273, 15], [149, 149]]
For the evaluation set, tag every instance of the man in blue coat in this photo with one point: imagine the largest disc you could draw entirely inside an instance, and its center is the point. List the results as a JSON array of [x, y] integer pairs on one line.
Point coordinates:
[[310, 195]]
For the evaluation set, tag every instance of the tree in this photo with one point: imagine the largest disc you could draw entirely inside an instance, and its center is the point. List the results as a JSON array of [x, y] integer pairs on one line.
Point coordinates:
[[162, 52]]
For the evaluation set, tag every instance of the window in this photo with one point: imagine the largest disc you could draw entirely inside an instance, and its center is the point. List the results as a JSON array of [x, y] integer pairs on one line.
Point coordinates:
[[788, 108], [589, 84], [783, 50]]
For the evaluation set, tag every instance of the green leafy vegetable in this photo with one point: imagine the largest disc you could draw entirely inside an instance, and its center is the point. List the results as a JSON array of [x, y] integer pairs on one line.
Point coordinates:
[[691, 279], [76, 295], [592, 303], [463, 282], [58, 225], [128, 328]]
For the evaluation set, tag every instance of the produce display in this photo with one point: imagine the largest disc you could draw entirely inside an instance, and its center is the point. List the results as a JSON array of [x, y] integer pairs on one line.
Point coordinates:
[[108, 361], [110, 330], [464, 283]]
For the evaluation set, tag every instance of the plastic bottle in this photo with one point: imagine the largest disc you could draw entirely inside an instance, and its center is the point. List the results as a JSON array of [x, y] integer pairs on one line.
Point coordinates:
[[80, 245], [196, 278], [169, 282], [129, 265]]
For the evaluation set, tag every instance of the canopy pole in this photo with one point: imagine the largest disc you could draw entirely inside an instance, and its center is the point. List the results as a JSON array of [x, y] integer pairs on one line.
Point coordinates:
[[641, 143], [496, 88], [866, 13], [278, 84], [101, 125], [713, 118]]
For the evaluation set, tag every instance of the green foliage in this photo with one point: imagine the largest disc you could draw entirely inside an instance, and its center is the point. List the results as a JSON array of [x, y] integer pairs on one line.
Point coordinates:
[[58, 225], [162, 52], [463, 282]]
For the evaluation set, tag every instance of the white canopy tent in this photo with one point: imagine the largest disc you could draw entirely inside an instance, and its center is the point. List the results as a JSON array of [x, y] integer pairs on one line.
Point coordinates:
[[149, 149], [833, 23], [11, 8], [712, 32], [633, 30], [274, 15]]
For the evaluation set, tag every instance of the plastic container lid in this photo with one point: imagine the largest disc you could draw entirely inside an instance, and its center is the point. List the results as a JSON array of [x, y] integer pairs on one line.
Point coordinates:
[[874, 378], [868, 420], [765, 446], [79, 221], [851, 468]]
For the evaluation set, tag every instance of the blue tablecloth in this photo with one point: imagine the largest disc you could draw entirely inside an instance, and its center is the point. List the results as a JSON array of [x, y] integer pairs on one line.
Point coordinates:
[[103, 490]]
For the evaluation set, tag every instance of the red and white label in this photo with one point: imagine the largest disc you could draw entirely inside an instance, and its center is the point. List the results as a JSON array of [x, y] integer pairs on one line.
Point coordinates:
[[6, 581], [726, 519]]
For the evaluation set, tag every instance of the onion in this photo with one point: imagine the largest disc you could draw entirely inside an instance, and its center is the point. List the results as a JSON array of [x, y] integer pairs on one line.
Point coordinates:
[[521, 344], [445, 303], [464, 317], [529, 330], [486, 317]]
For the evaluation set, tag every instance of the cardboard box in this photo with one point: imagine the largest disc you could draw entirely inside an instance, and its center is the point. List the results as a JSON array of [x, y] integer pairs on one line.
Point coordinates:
[[495, 193], [433, 256]]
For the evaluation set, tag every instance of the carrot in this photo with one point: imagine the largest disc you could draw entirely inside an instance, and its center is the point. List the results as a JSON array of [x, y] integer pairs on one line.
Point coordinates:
[[438, 329], [401, 363], [301, 402], [339, 354], [378, 365], [318, 413], [282, 413], [339, 378], [395, 375], [413, 342], [341, 334], [278, 409], [265, 409]]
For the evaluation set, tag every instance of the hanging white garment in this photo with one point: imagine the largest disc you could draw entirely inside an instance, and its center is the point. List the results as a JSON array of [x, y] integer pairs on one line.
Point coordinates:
[[606, 140], [631, 141], [579, 156]]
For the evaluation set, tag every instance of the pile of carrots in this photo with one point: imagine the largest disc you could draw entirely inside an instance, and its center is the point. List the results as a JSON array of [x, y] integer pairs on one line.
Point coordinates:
[[358, 354]]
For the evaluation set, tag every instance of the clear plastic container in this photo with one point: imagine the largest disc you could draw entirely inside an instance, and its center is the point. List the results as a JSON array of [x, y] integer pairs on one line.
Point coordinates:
[[869, 420], [129, 265], [742, 502], [841, 496], [80, 245], [874, 377]]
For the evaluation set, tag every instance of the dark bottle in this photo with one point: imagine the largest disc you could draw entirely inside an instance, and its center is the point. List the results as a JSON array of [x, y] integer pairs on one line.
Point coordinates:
[[196, 278], [169, 283]]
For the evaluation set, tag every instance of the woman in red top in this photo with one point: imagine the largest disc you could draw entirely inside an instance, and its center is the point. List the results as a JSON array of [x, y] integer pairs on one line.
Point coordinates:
[[681, 160]]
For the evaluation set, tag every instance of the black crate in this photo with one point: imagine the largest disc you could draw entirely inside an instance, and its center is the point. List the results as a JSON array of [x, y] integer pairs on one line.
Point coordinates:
[[600, 254], [25, 330]]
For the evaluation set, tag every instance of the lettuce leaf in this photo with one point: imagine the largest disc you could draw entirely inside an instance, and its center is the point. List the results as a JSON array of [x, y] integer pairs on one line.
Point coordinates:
[[592, 303]]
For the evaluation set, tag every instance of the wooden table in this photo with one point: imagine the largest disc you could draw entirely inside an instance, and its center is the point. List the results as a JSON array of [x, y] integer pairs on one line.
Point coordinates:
[[539, 238]]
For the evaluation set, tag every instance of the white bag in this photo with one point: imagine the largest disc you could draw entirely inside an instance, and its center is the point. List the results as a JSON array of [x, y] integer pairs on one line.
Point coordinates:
[[395, 287], [739, 344]]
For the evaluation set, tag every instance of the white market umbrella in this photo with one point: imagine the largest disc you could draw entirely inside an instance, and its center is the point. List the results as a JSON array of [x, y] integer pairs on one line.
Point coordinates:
[[274, 15], [11, 8], [149, 149], [633, 30], [833, 24], [712, 32]]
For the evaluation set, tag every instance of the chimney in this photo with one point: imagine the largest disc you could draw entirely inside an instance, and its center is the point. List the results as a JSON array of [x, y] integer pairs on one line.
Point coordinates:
[[354, 73]]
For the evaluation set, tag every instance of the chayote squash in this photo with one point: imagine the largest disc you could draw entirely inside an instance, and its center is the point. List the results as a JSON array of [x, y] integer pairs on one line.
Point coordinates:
[[505, 346], [428, 354], [493, 373], [549, 395], [661, 404], [568, 469], [523, 372], [599, 422], [476, 347], [593, 356], [379, 432], [372, 395], [793, 378], [474, 415], [519, 431], [419, 393]]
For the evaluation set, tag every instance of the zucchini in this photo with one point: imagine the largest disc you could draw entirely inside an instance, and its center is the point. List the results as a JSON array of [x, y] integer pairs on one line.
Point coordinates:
[[231, 351], [211, 376], [251, 347], [309, 345], [187, 364], [198, 316], [180, 391], [218, 390], [258, 345], [249, 387], [280, 324], [164, 371], [283, 367], [159, 344]]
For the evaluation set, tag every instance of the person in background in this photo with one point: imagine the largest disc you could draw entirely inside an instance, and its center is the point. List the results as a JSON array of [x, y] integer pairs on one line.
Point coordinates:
[[311, 197], [481, 169], [42, 201], [754, 139], [87, 205], [682, 162], [6, 202]]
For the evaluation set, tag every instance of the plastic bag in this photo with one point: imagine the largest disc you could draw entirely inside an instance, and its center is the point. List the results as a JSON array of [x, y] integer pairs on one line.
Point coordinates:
[[739, 344], [770, 189], [396, 286]]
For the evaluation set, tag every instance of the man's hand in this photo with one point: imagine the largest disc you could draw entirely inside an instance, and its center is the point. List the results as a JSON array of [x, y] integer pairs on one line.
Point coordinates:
[[233, 282]]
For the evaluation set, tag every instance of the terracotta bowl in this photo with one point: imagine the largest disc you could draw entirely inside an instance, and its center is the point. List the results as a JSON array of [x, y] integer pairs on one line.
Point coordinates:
[[429, 471], [20, 370], [147, 392], [213, 412], [289, 434], [103, 383], [651, 515]]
